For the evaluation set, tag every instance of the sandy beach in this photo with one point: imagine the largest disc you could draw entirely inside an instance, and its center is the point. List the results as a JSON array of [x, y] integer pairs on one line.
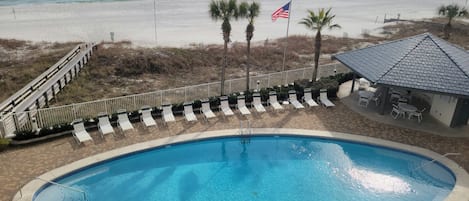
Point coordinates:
[[183, 22]]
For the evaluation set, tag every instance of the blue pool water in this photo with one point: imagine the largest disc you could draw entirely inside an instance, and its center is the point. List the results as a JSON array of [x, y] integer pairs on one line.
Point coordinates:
[[266, 168]]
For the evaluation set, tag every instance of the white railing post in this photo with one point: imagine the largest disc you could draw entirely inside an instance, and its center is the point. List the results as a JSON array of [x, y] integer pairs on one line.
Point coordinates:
[[286, 77], [105, 107], [74, 111], [135, 102], [161, 98], [185, 94], [268, 80], [230, 87]]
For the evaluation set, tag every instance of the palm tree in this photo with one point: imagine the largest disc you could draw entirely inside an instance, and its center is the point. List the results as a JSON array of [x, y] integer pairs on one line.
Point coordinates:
[[224, 10], [450, 12], [317, 22], [249, 11]]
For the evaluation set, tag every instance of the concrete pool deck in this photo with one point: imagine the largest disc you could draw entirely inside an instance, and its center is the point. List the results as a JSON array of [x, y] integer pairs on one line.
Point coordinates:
[[22, 164]]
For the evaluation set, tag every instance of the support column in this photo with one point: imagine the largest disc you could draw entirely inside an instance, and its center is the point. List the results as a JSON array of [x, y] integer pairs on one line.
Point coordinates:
[[385, 101], [353, 83]]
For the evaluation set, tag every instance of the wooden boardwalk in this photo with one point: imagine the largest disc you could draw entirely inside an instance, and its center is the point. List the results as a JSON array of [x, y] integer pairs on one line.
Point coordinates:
[[41, 90]]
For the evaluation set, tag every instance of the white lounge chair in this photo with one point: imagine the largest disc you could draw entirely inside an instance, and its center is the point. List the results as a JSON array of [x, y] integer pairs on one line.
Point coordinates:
[[293, 100], [123, 121], [258, 103], [273, 101], [146, 118], [168, 114], [225, 106], [189, 112], [324, 100], [79, 132], [206, 109], [308, 98], [104, 126], [242, 106]]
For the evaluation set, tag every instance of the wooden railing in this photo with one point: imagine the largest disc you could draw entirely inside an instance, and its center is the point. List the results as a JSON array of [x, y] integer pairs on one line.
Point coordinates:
[[38, 92]]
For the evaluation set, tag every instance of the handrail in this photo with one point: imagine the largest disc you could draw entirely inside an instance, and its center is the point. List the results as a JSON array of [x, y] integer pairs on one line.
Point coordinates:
[[65, 186], [32, 86], [39, 92], [434, 160], [248, 127], [57, 184]]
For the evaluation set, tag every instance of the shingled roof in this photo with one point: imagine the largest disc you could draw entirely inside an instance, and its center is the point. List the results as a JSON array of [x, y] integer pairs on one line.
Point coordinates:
[[423, 62]]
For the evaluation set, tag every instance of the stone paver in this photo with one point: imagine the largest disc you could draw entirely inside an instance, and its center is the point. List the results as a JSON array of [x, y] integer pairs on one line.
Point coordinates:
[[19, 165]]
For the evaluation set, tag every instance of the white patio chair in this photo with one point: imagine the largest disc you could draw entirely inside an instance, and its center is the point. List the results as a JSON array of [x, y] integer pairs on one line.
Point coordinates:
[[123, 121], [376, 98], [242, 106], [225, 106], [257, 102], [363, 101], [395, 96], [104, 126], [146, 118], [293, 100], [417, 114], [308, 98], [397, 112], [208, 113], [324, 100], [189, 112], [79, 132], [168, 114], [273, 101]]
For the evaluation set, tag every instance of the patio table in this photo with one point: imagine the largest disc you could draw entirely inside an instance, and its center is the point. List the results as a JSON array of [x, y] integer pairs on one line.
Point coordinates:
[[407, 108], [366, 94]]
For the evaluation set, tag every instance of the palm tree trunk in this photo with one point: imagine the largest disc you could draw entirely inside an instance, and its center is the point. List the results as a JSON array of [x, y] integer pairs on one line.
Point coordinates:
[[225, 64], [317, 52], [248, 64], [447, 29]]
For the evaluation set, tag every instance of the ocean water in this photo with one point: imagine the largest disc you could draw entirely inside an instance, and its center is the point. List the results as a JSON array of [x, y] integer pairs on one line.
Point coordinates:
[[20, 2], [183, 22], [265, 169]]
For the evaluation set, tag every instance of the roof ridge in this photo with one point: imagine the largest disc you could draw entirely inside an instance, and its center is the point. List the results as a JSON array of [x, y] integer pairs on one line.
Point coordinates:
[[405, 55], [450, 57]]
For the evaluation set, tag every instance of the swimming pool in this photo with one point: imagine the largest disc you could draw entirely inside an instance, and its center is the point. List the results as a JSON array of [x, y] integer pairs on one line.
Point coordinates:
[[267, 167]]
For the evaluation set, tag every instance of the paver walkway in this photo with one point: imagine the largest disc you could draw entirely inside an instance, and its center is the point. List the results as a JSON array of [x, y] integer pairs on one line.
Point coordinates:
[[20, 164]]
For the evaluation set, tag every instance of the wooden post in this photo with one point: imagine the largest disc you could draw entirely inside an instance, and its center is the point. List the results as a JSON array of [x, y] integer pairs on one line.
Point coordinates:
[[385, 101]]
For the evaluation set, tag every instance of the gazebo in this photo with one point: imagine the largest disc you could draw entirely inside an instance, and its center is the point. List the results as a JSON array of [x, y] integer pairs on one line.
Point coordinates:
[[423, 64]]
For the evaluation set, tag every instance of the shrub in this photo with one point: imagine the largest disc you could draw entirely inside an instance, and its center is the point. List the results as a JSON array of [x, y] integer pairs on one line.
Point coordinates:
[[330, 83], [4, 143]]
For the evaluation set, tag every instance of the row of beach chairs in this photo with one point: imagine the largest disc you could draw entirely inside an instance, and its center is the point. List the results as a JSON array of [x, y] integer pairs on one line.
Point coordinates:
[[123, 122]]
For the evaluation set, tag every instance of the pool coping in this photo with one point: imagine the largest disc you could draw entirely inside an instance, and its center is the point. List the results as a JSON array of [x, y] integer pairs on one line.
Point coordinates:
[[459, 192]]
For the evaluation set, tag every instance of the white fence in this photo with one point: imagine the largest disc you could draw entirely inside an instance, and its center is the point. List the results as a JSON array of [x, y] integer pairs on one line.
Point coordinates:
[[47, 117]]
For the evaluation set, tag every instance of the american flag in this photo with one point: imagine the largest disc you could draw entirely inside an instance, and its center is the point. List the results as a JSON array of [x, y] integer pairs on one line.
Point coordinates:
[[282, 12]]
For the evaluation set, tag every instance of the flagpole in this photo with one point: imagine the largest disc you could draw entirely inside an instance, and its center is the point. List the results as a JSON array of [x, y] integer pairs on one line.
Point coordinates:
[[154, 15], [286, 39]]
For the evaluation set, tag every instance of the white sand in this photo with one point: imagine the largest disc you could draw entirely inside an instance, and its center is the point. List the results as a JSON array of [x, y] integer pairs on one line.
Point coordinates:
[[181, 22]]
